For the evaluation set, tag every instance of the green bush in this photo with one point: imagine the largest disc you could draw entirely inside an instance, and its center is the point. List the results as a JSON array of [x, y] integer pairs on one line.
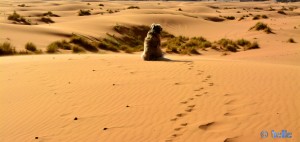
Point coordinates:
[[261, 26], [7, 49], [84, 42], [30, 46], [228, 45], [243, 42], [52, 48], [253, 45], [63, 44], [106, 45], [77, 49]]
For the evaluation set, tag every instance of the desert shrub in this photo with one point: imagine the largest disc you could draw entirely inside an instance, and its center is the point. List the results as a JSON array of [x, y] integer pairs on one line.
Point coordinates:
[[253, 45], [63, 44], [258, 8], [228, 45], [21, 5], [7, 49], [283, 8], [101, 4], [50, 14], [133, 7], [77, 49], [110, 45], [23, 52], [47, 20], [185, 45], [132, 37], [256, 17], [30, 46], [264, 16], [291, 40], [84, 42], [52, 48], [281, 12], [229, 17], [179, 9], [247, 44], [214, 7], [18, 18], [110, 11], [215, 19], [271, 9], [243, 42], [241, 18], [261, 26], [292, 8], [84, 12]]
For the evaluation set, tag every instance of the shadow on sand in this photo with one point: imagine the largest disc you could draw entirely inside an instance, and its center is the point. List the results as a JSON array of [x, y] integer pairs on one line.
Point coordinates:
[[170, 60]]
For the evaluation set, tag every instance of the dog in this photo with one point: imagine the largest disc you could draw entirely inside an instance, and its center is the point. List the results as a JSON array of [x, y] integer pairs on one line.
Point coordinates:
[[152, 50]]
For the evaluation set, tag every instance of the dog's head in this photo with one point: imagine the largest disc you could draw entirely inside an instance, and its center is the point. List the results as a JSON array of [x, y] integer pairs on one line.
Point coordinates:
[[156, 28]]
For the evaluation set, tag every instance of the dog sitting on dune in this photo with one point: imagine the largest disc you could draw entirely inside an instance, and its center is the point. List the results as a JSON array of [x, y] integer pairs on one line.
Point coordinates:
[[152, 43]]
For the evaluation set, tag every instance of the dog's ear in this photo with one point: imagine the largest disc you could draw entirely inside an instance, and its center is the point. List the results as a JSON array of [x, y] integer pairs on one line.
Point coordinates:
[[152, 26]]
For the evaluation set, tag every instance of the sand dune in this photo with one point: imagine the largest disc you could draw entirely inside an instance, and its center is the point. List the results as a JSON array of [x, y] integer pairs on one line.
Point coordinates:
[[120, 98], [187, 99]]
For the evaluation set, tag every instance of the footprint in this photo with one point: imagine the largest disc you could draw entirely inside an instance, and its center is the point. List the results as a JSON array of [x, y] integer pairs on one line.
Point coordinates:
[[184, 124], [229, 139], [175, 135], [184, 102], [206, 125], [189, 110], [177, 83], [229, 102], [211, 84], [191, 98], [205, 93], [199, 89], [191, 106], [198, 95], [226, 114], [174, 119], [180, 114], [177, 129], [209, 76]]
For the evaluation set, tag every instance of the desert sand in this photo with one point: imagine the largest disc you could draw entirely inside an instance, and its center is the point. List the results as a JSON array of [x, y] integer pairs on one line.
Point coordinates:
[[118, 97]]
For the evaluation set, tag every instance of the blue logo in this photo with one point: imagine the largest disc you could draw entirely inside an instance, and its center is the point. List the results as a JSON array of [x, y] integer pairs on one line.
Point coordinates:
[[263, 134], [275, 135], [282, 134]]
